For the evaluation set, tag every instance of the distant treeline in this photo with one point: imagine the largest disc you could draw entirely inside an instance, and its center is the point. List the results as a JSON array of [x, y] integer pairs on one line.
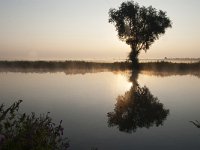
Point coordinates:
[[168, 68], [81, 67], [64, 65], [163, 66]]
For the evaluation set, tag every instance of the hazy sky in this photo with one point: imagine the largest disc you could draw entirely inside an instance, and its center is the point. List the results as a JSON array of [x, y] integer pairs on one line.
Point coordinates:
[[79, 29]]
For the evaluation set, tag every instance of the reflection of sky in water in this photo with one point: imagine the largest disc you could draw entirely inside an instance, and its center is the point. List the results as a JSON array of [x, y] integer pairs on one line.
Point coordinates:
[[83, 101]]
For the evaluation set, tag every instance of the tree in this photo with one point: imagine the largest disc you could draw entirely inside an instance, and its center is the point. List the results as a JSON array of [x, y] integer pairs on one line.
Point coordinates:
[[138, 26]]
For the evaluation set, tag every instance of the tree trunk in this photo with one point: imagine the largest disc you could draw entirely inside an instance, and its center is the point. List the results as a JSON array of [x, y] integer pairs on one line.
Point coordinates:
[[133, 56]]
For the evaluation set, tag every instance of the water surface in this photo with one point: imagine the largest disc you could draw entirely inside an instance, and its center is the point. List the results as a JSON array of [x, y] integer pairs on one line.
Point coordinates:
[[84, 101]]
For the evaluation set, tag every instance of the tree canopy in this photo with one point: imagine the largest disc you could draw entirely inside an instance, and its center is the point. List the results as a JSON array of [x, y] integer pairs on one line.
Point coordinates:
[[138, 26]]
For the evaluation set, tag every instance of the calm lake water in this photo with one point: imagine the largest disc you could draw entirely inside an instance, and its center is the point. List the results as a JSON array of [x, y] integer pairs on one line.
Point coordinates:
[[112, 110]]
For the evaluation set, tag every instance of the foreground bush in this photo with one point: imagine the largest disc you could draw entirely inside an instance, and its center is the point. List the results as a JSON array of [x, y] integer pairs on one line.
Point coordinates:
[[29, 132]]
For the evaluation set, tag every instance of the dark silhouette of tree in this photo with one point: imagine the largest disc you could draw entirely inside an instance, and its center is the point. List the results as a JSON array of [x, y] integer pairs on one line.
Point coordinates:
[[138, 26], [29, 132], [137, 108], [196, 123]]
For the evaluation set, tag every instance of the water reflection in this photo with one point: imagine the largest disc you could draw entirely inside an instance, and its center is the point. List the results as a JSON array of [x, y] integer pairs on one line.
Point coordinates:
[[137, 108], [196, 123], [82, 102]]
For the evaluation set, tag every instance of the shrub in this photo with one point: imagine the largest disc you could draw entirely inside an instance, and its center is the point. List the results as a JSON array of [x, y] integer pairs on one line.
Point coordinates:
[[29, 132]]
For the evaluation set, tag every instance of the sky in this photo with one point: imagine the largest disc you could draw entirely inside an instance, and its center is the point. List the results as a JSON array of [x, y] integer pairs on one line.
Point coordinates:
[[79, 29]]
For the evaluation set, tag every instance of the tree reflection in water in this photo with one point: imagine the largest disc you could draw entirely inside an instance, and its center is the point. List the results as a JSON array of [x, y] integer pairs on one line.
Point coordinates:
[[196, 123], [137, 108]]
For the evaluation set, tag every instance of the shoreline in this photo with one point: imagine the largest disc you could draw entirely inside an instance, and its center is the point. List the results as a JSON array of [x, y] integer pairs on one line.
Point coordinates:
[[97, 65], [82, 67]]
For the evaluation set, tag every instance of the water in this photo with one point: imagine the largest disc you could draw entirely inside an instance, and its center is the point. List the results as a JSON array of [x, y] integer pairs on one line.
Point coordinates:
[[83, 101]]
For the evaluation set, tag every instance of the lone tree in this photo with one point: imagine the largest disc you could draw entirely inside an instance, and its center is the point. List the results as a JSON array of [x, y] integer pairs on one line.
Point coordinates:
[[138, 26]]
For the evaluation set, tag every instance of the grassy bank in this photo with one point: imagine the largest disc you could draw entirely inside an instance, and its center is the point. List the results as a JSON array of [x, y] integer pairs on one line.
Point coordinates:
[[81, 67], [170, 66], [63, 65]]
